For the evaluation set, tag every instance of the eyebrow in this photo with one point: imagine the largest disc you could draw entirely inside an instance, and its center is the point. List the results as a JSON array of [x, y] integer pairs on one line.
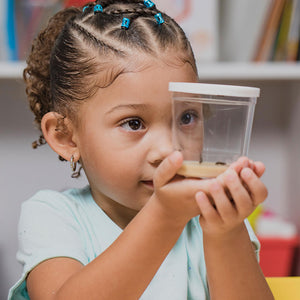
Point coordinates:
[[128, 106]]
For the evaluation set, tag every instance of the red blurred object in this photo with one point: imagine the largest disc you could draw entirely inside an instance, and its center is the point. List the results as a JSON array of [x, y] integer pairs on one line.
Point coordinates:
[[77, 3], [277, 254]]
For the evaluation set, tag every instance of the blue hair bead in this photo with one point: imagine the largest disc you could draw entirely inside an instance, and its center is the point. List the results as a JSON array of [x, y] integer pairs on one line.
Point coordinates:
[[159, 19], [98, 8], [148, 3], [125, 23], [85, 8]]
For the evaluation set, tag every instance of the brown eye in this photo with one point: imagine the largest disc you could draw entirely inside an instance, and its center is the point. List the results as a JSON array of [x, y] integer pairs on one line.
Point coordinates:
[[188, 118], [133, 124]]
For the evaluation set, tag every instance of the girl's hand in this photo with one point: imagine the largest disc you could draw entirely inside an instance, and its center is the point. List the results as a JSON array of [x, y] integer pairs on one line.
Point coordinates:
[[174, 194], [244, 162], [231, 197]]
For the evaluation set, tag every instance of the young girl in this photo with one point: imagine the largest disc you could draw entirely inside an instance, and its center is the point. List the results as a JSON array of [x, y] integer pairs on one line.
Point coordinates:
[[97, 81]]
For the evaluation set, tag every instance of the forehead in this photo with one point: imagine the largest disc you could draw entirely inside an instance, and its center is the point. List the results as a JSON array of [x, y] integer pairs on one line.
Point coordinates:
[[150, 79], [146, 87]]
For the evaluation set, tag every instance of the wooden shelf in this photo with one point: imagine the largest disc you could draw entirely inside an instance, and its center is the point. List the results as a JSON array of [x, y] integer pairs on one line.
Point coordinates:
[[207, 71]]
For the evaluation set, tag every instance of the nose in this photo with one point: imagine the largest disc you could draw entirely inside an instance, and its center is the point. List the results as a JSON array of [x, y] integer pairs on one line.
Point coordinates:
[[161, 146]]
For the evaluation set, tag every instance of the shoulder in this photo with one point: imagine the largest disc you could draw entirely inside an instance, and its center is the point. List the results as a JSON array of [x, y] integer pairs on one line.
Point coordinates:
[[50, 225], [51, 200], [52, 196], [50, 214]]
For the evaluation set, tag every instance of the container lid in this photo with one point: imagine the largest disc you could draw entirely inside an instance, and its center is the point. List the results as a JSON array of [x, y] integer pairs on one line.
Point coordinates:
[[214, 89]]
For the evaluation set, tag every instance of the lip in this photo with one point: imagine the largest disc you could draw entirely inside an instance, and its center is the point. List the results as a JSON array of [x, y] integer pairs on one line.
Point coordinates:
[[148, 183]]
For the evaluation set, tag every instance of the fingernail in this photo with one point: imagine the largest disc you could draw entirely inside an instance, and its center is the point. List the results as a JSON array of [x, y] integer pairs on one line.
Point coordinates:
[[200, 196], [246, 173]]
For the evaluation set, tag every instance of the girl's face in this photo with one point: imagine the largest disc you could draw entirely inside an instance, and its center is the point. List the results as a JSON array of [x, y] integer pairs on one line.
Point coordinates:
[[124, 134]]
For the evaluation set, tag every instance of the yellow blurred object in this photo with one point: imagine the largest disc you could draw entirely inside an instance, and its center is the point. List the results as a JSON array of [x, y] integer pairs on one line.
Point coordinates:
[[285, 288], [255, 215]]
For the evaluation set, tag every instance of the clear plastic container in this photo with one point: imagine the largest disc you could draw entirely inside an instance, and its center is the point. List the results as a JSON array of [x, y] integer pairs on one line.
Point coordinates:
[[211, 125]]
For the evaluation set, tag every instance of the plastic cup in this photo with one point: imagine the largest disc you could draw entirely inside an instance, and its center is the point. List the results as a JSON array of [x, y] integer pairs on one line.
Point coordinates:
[[211, 125]]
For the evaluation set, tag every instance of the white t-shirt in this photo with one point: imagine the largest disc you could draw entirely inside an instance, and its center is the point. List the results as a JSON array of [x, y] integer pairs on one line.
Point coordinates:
[[71, 224]]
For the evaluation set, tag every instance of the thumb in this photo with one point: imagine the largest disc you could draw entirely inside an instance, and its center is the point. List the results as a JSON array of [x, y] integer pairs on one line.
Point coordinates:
[[167, 169]]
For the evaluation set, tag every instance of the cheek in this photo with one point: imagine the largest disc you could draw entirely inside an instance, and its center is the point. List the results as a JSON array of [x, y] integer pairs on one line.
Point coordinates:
[[191, 144], [109, 160], [109, 166], [117, 179]]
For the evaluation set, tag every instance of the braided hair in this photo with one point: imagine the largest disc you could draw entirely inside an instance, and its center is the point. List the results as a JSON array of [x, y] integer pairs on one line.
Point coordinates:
[[79, 43]]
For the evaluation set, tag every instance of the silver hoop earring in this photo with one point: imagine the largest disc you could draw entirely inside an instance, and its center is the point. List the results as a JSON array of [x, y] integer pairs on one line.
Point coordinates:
[[73, 163]]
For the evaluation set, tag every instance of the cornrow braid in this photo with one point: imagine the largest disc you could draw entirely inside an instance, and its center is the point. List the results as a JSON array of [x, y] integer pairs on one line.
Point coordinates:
[[111, 10], [79, 43], [83, 31], [142, 11], [109, 7]]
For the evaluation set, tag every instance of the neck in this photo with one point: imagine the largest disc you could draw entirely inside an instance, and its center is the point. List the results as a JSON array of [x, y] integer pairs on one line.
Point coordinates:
[[119, 214]]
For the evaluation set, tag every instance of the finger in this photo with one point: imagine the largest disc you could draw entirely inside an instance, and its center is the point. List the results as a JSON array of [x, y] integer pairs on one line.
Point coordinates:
[[244, 162], [167, 169], [241, 197], [256, 187], [251, 164], [236, 166], [241, 163], [207, 211], [222, 201], [259, 168]]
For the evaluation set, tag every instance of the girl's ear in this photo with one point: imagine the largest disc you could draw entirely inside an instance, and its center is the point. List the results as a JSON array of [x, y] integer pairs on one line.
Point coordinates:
[[59, 134]]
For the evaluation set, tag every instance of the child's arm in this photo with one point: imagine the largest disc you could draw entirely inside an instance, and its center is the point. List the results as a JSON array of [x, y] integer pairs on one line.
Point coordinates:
[[126, 268], [123, 271], [232, 268]]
